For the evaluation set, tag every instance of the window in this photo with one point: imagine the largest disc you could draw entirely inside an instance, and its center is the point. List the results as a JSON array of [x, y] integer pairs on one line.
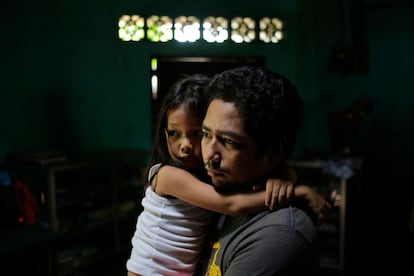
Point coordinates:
[[270, 30], [164, 71], [189, 29], [159, 28], [243, 29], [131, 27], [215, 29]]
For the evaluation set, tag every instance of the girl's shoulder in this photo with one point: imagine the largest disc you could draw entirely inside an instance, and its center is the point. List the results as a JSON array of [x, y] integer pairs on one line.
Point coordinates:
[[153, 171]]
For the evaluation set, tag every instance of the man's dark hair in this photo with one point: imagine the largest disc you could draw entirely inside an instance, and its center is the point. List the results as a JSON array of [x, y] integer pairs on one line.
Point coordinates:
[[268, 103]]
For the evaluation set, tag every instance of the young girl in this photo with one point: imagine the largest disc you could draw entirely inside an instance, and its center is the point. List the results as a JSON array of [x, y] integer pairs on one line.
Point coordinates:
[[179, 207]]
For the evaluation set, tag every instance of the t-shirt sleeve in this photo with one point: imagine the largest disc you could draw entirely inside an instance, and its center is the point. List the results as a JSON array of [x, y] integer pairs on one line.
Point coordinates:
[[273, 251]]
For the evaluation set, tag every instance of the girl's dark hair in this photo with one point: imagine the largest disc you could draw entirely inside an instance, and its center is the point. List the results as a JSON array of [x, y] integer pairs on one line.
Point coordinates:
[[188, 91]]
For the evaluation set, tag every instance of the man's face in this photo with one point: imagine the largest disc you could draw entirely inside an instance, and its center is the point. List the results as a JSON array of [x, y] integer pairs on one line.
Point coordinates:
[[226, 143]]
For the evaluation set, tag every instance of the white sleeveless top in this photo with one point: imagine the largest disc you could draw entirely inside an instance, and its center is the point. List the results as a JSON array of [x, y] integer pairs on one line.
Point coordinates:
[[169, 235]]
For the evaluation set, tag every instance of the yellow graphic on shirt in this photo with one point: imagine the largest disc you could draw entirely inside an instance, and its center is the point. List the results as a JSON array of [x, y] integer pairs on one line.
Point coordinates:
[[213, 269]]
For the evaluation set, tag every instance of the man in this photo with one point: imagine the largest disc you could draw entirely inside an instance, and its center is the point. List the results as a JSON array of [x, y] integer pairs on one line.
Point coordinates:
[[248, 110]]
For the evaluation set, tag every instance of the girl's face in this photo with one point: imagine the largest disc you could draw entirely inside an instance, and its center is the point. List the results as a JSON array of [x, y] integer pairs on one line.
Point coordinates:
[[183, 136]]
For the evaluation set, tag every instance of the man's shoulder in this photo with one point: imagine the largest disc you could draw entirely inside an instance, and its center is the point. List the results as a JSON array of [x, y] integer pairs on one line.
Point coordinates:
[[286, 231], [289, 217]]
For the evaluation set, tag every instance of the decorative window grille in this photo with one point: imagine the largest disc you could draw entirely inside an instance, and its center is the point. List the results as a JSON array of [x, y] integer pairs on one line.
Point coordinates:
[[131, 27], [270, 30], [243, 29], [188, 29], [215, 29], [159, 28]]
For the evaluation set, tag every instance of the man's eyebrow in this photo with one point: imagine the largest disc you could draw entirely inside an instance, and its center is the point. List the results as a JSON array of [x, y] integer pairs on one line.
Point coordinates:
[[232, 134], [204, 127]]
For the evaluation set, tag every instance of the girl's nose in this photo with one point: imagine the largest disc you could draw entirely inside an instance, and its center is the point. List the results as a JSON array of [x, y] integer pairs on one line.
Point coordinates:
[[186, 144]]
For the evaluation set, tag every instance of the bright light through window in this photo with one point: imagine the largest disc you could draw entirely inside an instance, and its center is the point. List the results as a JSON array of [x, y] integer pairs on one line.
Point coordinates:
[[243, 29], [131, 28], [159, 28], [154, 87], [270, 30], [187, 29], [215, 29]]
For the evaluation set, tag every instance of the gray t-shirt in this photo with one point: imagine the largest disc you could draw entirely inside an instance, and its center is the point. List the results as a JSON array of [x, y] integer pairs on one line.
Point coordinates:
[[282, 242]]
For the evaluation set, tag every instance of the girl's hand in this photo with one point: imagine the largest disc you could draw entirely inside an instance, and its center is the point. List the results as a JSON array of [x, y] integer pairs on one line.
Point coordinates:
[[278, 193], [316, 203]]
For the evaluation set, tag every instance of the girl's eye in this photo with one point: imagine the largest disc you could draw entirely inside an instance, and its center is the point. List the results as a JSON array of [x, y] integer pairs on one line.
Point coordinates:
[[172, 133], [200, 133]]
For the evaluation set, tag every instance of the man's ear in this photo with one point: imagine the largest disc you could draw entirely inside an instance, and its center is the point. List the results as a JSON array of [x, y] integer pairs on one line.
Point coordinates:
[[274, 155], [288, 174], [273, 159]]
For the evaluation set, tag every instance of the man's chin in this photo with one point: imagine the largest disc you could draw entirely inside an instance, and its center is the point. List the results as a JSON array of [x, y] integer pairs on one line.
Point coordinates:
[[216, 183], [222, 187], [219, 185]]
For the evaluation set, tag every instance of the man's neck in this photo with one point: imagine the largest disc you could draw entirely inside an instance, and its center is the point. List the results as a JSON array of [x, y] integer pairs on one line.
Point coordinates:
[[236, 188]]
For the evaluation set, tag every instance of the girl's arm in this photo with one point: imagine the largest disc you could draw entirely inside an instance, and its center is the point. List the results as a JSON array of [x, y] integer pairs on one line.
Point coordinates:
[[181, 184], [315, 202], [303, 195]]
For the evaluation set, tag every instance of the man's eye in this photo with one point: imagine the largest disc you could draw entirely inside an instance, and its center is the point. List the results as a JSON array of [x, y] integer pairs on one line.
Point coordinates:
[[231, 144], [205, 134], [228, 141]]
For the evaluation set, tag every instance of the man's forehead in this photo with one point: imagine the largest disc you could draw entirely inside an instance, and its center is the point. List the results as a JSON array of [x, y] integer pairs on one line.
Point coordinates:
[[224, 117]]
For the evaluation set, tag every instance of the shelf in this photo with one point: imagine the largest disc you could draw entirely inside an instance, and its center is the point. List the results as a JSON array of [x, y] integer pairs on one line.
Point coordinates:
[[89, 206], [332, 233]]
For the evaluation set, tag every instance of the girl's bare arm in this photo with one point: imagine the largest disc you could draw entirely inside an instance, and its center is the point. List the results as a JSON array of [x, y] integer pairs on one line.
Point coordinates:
[[181, 184]]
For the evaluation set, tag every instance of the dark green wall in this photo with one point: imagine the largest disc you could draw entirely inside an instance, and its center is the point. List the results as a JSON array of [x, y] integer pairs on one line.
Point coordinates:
[[70, 83]]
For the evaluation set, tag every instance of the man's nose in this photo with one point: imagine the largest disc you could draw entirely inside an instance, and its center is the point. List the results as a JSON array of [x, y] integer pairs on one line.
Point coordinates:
[[210, 149]]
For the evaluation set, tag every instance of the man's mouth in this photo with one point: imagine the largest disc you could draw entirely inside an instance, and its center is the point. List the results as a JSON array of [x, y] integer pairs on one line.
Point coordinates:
[[212, 165]]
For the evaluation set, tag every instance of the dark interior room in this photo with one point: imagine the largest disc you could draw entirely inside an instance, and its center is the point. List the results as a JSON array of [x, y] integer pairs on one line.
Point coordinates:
[[80, 91]]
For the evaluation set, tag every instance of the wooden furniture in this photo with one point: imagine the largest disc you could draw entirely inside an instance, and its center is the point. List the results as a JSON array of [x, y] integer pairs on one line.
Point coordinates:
[[89, 204], [330, 178]]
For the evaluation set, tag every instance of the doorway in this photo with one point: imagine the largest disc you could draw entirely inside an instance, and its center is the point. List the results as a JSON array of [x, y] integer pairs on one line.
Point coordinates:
[[169, 69]]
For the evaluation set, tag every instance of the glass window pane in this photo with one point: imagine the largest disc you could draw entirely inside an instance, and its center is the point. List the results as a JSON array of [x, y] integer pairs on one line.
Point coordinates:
[[215, 29], [131, 27], [271, 30], [154, 87], [243, 29], [187, 29], [159, 28]]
